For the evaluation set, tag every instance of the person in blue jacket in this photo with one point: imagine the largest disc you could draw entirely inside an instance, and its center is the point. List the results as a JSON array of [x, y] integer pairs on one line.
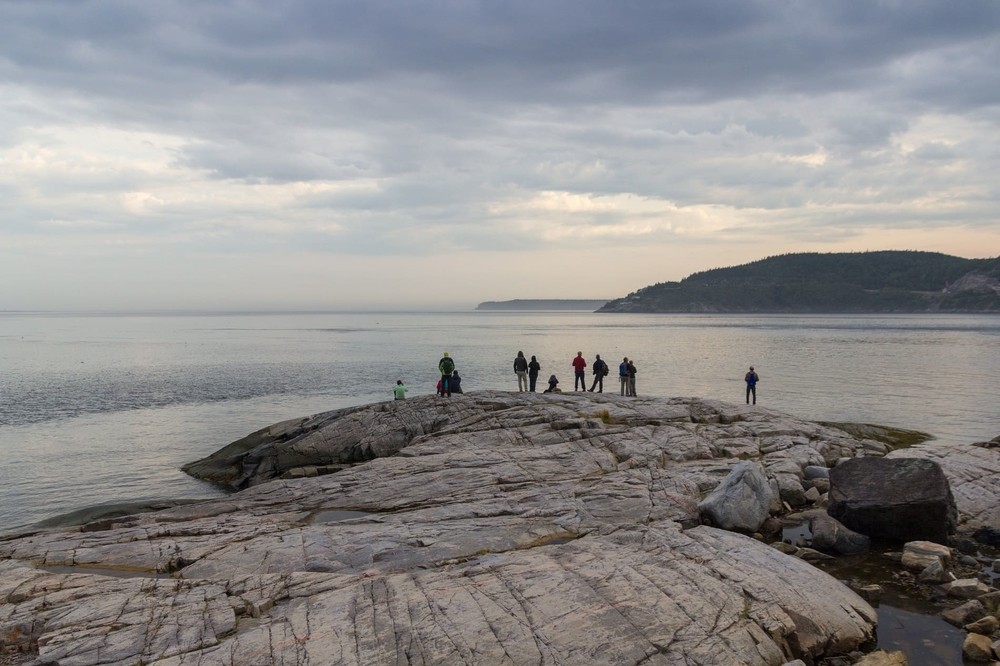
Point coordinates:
[[751, 378]]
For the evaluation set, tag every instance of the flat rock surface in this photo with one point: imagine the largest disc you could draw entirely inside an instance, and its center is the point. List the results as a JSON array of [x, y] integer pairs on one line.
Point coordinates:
[[501, 528]]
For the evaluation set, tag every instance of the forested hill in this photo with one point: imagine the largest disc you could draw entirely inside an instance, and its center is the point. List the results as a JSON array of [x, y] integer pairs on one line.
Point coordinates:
[[891, 281]]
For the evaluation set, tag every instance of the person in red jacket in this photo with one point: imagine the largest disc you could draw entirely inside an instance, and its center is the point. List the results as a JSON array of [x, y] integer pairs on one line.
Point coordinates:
[[579, 364]]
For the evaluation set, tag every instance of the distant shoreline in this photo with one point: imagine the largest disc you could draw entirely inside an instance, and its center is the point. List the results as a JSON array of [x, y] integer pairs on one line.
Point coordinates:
[[534, 304]]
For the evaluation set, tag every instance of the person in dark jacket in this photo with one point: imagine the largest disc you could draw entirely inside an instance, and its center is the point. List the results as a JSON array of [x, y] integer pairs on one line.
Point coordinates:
[[553, 385], [521, 370], [751, 378], [600, 372], [631, 378], [456, 382], [533, 367]]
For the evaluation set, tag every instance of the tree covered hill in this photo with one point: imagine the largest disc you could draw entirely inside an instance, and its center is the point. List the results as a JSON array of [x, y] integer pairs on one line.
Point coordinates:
[[890, 281]]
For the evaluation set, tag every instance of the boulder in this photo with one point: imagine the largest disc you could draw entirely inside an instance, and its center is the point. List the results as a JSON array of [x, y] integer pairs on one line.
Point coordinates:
[[977, 648], [962, 615], [893, 499], [935, 573], [812, 472], [987, 535], [985, 626], [918, 555], [741, 501], [829, 536], [966, 588]]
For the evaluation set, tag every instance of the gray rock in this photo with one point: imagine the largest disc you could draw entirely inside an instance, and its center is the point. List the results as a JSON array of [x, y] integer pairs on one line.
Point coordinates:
[[821, 485], [813, 472], [812, 496], [962, 615], [829, 536], [918, 555], [900, 500], [966, 588], [741, 501], [935, 573], [491, 528]]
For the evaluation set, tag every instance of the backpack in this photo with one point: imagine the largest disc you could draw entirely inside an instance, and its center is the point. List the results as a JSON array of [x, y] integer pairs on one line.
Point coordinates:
[[447, 365], [604, 369]]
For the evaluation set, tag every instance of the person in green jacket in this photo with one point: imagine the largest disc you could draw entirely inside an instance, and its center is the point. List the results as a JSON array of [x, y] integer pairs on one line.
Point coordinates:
[[446, 366], [399, 390]]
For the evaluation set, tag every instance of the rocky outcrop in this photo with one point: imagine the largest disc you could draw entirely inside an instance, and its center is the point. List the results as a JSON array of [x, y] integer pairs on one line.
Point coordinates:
[[499, 528]]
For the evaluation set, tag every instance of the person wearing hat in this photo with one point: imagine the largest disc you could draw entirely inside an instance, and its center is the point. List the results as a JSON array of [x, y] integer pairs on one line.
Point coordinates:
[[446, 366], [751, 379]]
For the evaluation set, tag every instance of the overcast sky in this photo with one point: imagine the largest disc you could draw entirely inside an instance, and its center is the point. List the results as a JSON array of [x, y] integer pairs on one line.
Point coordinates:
[[296, 154]]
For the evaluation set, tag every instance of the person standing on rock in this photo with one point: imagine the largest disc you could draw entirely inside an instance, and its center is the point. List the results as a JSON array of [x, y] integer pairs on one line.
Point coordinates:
[[751, 378], [623, 375], [600, 372], [533, 367], [631, 378], [521, 370], [446, 366], [579, 372], [399, 390]]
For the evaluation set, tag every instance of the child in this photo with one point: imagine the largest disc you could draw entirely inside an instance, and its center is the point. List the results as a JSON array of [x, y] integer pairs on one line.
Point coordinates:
[[399, 390], [553, 383]]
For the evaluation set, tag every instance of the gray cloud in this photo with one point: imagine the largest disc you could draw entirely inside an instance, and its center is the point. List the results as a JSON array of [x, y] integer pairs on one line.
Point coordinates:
[[385, 129]]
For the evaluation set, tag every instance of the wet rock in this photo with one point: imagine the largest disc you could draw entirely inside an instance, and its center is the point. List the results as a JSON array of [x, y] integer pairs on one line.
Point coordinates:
[[918, 555], [991, 601], [741, 501], [996, 566], [987, 535], [811, 555], [829, 536], [986, 625], [883, 658], [894, 499], [786, 548], [977, 648], [935, 573], [871, 593], [966, 588], [771, 526], [962, 615]]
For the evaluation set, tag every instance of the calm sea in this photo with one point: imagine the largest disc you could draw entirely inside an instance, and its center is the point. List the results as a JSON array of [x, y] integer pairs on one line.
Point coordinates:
[[96, 409]]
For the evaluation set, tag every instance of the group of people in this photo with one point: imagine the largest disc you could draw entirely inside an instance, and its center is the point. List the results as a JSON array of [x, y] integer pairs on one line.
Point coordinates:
[[527, 377]]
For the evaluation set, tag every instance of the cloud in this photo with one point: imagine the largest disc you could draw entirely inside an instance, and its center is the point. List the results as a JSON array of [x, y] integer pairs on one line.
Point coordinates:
[[425, 134]]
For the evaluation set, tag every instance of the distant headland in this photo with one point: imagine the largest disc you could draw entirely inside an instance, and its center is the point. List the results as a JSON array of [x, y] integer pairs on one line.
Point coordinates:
[[891, 281], [544, 304], [846, 282]]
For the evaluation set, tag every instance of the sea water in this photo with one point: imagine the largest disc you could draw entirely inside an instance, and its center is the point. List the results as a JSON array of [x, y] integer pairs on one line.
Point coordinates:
[[106, 408]]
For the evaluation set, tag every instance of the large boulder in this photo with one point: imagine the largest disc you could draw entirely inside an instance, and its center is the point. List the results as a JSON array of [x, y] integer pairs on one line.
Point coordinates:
[[742, 501], [905, 499]]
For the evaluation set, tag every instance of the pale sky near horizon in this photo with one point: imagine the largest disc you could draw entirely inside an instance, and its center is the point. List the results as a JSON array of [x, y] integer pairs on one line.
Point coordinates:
[[293, 154]]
